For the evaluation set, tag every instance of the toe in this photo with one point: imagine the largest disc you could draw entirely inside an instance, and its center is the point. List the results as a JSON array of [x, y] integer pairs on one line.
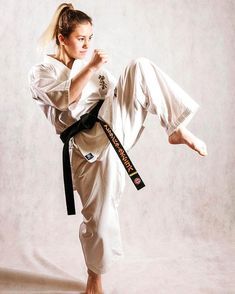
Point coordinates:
[[203, 150]]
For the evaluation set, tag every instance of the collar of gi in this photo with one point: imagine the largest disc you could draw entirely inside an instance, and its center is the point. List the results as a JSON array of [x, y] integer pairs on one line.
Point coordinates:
[[76, 67]]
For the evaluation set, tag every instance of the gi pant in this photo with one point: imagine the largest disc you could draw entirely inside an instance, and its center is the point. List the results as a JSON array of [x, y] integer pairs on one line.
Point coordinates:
[[142, 88]]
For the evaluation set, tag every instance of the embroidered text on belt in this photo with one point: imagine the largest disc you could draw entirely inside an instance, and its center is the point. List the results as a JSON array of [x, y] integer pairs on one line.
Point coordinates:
[[87, 121]]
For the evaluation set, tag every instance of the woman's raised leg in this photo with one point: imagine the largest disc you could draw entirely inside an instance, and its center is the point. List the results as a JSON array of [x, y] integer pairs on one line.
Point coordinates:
[[144, 87]]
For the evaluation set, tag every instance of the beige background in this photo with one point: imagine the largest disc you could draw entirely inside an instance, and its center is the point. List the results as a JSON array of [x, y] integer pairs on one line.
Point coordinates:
[[178, 232]]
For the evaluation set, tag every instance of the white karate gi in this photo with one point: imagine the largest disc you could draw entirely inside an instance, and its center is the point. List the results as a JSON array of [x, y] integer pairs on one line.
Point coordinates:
[[98, 174]]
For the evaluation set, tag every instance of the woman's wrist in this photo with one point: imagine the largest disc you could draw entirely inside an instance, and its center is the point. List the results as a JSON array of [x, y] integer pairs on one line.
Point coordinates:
[[91, 68]]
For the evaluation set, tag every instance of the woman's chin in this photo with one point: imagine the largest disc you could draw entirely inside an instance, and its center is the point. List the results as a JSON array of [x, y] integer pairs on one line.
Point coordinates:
[[81, 55]]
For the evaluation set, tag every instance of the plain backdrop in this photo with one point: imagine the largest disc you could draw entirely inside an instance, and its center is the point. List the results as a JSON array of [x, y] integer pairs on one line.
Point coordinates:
[[178, 232]]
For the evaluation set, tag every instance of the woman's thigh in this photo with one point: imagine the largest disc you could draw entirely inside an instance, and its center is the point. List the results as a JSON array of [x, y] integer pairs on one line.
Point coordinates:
[[98, 182]]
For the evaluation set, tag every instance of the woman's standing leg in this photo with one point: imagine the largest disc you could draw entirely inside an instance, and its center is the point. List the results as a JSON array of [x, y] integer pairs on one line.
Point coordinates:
[[99, 185]]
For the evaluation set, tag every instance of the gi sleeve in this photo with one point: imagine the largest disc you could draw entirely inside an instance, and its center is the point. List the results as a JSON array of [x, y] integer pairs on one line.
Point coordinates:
[[45, 86], [112, 82]]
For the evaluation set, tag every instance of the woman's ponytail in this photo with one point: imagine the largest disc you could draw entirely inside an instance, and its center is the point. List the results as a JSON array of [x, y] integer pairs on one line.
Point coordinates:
[[51, 31]]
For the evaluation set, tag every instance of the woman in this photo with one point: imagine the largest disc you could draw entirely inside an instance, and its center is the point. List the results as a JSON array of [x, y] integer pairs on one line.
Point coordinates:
[[66, 87]]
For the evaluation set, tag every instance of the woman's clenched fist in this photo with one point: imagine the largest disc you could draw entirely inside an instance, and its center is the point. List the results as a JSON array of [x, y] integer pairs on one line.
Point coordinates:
[[98, 59]]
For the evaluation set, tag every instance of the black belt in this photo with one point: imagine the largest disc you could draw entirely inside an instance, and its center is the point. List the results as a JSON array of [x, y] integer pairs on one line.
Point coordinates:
[[86, 122]]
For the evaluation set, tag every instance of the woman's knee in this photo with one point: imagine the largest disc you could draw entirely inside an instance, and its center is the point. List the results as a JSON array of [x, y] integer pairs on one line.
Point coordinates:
[[93, 230], [138, 61]]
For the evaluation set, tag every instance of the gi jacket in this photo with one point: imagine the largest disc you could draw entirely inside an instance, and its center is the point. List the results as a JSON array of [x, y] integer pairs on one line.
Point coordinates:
[[49, 84]]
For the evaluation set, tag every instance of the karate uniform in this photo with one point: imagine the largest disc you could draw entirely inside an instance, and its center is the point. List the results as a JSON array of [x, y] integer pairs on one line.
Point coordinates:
[[98, 174]]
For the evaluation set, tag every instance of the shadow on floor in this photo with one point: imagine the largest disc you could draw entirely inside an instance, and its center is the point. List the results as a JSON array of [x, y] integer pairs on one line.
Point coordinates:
[[12, 280]]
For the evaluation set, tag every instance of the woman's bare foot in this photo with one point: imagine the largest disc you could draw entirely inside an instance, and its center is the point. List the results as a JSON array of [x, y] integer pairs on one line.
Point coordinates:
[[94, 285], [184, 136]]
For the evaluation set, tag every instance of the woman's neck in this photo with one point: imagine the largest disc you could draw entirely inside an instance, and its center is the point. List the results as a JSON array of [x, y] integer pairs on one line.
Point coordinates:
[[63, 57]]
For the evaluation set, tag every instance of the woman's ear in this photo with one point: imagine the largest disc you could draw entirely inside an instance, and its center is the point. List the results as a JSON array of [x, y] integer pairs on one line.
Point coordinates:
[[61, 39]]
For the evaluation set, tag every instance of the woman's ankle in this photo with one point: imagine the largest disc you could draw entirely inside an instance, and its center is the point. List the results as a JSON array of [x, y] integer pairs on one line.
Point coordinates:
[[93, 274]]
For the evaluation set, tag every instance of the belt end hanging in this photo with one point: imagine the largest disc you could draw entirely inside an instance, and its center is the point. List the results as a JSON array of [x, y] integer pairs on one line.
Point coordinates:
[[137, 181]]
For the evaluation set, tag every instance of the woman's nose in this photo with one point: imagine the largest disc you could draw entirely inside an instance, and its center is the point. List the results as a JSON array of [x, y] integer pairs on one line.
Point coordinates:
[[86, 44]]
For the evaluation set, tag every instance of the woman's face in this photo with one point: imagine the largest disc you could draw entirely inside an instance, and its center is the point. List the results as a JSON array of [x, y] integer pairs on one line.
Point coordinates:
[[77, 44]]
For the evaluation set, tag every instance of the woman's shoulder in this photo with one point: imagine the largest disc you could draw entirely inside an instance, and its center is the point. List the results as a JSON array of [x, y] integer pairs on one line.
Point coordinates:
[[41, 69]]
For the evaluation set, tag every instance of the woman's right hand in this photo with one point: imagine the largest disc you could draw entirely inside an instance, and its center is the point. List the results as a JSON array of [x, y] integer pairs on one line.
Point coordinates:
[[98, 59]]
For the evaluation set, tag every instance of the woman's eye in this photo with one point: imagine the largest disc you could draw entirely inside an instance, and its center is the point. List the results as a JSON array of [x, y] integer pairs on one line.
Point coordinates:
[[83, 39]]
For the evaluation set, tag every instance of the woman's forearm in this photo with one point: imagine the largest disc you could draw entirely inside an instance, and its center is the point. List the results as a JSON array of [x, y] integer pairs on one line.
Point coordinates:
[[79, 81]]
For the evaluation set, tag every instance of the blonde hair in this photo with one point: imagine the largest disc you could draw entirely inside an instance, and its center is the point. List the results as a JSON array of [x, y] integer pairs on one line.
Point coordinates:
[[63, 22]]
